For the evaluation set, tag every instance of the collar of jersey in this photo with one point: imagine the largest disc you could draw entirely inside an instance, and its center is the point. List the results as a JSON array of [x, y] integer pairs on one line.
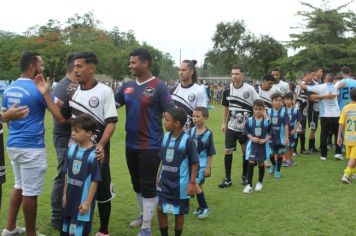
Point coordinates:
[[233, 85], [96, 82], [150, 79], [187, 86], [24, 78]]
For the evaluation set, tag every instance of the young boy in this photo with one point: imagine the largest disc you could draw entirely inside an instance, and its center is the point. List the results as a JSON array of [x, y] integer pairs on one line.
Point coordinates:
[[82, 175], [258, 130], [203, 139], [178, 172], [295, 122], [348, 117], [280, 133]]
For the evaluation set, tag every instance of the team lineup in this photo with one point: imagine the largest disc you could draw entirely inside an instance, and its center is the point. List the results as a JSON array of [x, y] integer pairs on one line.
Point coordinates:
[[166, 168]]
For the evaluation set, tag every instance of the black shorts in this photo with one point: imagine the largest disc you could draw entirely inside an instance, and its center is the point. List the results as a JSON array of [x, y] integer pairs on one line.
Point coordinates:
[[231, 137], [105, 190], [313, 118]]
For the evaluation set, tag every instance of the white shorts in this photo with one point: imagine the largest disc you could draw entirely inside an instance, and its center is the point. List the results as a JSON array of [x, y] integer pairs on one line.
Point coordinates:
[[29, 166]]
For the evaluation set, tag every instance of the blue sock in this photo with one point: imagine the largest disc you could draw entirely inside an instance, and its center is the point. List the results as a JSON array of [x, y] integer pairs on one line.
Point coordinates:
[[201, 200]]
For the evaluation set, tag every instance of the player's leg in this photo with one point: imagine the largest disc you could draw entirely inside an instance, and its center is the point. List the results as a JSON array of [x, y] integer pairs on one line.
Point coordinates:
[[280, 152], [162, 221], [351, 164], [179, 223], [325, 128], [243, 141], [230, 145], [199, 192], [334, 131]]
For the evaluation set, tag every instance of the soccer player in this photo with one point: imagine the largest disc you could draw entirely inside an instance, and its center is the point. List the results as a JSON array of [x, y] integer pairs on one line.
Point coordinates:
[[280, 134], [237, 100], [345, 86], [265, 90], [146, 99], [279, 85], [203, 138], [295, 122], [83, 172], [189, 94], [258, 130], [347, 125], [177, 177]]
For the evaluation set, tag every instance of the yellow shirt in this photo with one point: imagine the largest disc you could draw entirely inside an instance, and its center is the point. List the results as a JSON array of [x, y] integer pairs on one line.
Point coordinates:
[[348, 118]]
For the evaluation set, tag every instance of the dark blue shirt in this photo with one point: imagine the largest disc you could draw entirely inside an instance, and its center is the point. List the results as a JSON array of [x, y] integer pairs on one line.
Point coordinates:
[[205, 145], [279, 119]]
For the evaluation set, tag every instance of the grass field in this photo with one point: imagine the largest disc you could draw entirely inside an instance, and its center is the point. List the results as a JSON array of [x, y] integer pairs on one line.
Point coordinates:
[[309, 199]]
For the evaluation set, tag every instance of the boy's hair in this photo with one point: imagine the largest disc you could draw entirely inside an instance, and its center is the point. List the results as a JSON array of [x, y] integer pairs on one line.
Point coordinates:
[[84, 122], [289, 96], [308, 71], [258, 103], [204, 111], [276, 95], [178, 114], [268, 77], [27, 59], [70, 62], [89, 57], [353, 95], [237, 67], [345, 70], [143, 54]]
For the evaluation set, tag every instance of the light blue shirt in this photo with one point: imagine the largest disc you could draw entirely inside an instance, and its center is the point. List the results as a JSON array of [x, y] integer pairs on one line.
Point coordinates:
[[327, 107], [344, 93]]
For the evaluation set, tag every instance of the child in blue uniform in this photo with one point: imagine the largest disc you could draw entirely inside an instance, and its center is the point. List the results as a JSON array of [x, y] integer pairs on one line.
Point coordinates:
[[82, 175], [203, 139], [258, 130], [280, 134], [178, 172], [295, 118]]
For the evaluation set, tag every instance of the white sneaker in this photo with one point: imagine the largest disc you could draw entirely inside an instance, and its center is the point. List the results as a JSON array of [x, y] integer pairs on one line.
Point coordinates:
[[345, 179], [339, 157], [258, 186], [323, 158], [247, 189], [16, 231]]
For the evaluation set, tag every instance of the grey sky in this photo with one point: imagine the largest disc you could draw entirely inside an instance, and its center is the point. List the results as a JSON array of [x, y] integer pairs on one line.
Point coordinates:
[[168, 25]]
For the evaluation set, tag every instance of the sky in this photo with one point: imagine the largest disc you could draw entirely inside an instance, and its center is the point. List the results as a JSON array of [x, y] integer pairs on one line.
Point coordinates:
[[183, 28]]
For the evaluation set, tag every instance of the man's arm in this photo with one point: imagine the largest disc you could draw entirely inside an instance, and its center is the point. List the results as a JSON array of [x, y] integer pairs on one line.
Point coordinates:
[[108, 132], [14, 113], [225, 115]]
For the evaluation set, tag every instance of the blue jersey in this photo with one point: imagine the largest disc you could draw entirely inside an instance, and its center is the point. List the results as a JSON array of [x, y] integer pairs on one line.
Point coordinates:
[[205, 145], [145, 104], [260, 129], [344, 93], [27, 132], [81, 168], [294, 116], [177, 154], [279, 119]]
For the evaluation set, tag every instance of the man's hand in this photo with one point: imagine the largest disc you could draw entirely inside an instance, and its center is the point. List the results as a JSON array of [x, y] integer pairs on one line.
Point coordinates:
[[255, 140], [64, 201], [42, 85], [339, 141], [15, 113], [99, 151], [223, 128]]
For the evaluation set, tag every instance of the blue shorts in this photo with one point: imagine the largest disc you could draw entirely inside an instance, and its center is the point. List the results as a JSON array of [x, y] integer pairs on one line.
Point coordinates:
[[173, 206], [277, 149], [292, 140], [201, 176], [75, 227]]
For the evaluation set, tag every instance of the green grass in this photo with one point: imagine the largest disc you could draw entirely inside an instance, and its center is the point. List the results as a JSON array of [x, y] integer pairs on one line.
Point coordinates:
[[309, 199]]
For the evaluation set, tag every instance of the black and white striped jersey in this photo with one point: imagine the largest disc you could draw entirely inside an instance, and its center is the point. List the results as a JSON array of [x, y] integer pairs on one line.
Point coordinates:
[[265, 95], [282, 88]]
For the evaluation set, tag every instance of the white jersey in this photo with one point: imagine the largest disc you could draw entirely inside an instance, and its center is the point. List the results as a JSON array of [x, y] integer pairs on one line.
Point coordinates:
[[188, 99], [265, 96], [240, 102], [282, 88], [98, 102]]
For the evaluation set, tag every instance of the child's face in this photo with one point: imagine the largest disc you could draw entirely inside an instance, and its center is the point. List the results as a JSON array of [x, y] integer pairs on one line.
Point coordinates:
[[288, 102], [198, 118], [258, 111], [80, 135], [277, 103], [169, 123]]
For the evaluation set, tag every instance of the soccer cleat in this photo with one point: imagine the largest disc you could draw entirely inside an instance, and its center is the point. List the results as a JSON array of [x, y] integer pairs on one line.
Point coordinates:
[[136, 222], [198, 211], [16, 231], [145, 232], [353, 176], [295, 154], [258, 186], [277, 175], [346, 179], [303, 151], [225, 183], [101, 234], [244, 180], [339, 157], [323, 158], [247, 189], [204, 213], [271, 169]]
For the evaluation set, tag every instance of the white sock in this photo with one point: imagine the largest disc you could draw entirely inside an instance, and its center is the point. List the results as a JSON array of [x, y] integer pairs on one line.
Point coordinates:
[[149, 205], [139, 201]]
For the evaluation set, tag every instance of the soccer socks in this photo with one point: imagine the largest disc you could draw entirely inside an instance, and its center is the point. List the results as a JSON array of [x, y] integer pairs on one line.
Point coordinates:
[[250, 172], [348, 171], [228, 163], [104, 215], [311, 144], [178, 232], [302, 141], [139, 201], [201, 200], [261, 173], [149, 205], [244, 166], [273, 160], [279, 163], [164, 231]]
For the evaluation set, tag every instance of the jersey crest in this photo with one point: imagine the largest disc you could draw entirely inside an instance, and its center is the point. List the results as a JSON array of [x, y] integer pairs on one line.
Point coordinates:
[[149, 91], [258, 131], [191, 97], [169, 155], [76, 166], [246, 94], [94, 102]]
